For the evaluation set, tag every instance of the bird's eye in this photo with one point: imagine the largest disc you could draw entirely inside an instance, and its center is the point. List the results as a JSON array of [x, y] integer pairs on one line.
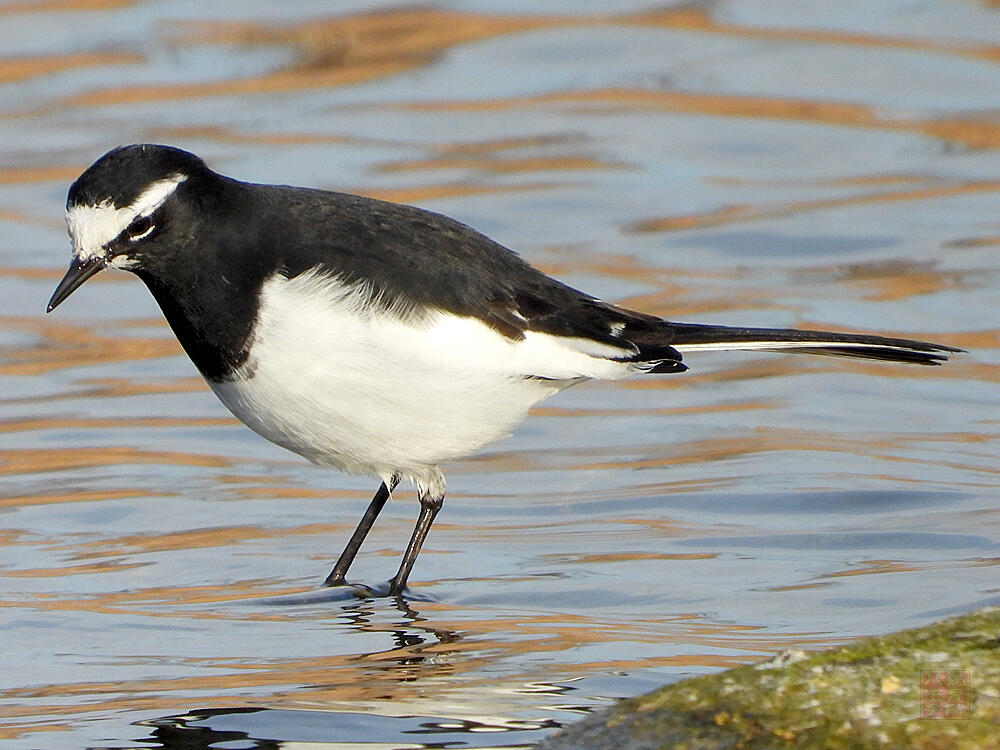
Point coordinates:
[[140, 228]]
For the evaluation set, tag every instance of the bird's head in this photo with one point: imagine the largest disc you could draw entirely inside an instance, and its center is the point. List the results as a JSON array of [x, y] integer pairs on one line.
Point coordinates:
[[118, 211]]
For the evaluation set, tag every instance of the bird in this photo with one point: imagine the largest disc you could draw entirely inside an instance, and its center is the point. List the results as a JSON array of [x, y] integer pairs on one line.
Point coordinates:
[[378, 338]]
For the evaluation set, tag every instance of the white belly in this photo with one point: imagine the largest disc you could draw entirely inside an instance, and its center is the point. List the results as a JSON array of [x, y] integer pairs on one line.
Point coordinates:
[[384, 393], [379, 417]]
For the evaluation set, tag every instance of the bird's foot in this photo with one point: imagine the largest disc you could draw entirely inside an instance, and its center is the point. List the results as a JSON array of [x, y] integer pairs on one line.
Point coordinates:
[[379, 591]]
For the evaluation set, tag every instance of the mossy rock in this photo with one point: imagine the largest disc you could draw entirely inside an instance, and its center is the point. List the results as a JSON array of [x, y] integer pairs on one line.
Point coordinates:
[[933, 688]]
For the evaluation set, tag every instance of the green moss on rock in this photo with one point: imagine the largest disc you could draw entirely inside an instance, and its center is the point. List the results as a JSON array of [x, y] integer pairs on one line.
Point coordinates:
[[933, 688]]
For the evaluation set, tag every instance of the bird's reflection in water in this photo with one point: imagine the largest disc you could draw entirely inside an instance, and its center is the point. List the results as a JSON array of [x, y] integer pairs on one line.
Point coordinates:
[[194, 731], [271, 729], [411, 634], [409, 658], [365, 610]]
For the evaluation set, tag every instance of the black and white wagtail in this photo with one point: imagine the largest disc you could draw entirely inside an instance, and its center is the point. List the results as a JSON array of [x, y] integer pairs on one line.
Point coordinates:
[[378, 338]]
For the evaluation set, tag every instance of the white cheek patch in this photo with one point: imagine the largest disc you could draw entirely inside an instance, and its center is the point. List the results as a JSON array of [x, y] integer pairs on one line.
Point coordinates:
[[91, 228]]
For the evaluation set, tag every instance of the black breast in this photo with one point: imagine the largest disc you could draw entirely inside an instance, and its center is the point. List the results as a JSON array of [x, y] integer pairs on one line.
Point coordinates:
[[205, 269]]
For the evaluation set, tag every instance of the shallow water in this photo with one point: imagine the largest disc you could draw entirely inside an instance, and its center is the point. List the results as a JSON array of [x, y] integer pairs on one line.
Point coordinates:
[[763, 163]]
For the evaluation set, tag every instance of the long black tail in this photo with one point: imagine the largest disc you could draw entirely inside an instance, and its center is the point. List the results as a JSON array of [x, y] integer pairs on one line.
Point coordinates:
[[691, 337]]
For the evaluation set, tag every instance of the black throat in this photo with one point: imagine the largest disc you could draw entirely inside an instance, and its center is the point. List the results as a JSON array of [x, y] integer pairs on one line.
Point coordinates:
[[207, 273], [214, 327]]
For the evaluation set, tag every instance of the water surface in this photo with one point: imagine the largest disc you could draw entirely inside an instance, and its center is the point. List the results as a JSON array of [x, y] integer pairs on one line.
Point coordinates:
[[759, 163]]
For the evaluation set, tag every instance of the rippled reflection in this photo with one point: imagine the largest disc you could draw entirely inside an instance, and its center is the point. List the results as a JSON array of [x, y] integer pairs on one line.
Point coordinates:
[[206, 728]]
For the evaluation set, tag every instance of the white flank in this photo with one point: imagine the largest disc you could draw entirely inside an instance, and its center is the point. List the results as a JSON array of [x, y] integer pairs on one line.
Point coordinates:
[[341, 381], [92, 227]]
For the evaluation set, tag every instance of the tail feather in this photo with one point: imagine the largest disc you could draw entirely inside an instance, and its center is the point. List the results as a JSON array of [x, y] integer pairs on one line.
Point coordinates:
[[691, 337]]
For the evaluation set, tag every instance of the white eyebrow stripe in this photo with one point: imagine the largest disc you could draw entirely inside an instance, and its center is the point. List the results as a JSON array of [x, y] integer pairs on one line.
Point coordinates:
[[153, 197], [92, 227]]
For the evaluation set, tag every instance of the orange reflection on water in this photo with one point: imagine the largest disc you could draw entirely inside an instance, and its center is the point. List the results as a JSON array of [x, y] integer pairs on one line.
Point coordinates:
[[502, 166], [157, 601], [730, 214], [613, 557], [68, 345], [971, 132], [873, 567], [13, 69], [691, 18], [771, 439], [103, 566], [123, 387], [446, 190], [74, 496], [335, 51], [196, 538], [20, 175], [29, 460], [90, 423], [60, 6], [562, 411]]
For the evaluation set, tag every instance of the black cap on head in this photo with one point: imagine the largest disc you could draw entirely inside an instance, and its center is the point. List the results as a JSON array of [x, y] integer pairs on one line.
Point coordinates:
[[124, 172]]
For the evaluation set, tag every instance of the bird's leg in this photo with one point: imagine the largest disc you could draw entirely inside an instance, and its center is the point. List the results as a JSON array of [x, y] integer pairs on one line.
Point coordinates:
[[337, 575], [430, 503]]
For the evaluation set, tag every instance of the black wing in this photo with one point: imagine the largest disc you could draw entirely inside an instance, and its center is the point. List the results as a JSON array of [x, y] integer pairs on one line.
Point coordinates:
[[415, 258], [419, 259]]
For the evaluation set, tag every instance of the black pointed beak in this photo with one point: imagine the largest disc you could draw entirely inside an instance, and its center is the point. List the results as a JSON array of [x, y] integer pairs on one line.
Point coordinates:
[[79, 271]]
